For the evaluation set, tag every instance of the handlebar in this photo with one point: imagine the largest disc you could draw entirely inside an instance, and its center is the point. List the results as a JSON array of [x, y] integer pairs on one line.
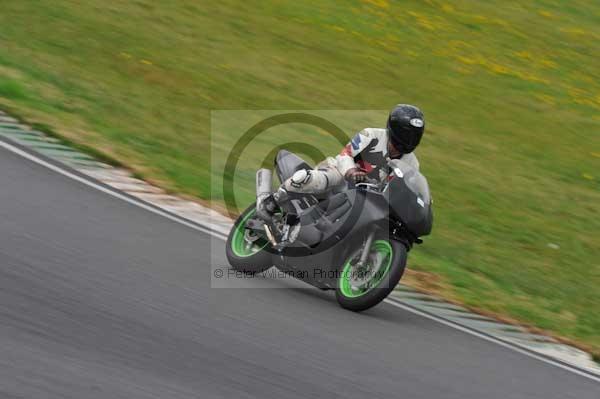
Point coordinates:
[[369, 184]]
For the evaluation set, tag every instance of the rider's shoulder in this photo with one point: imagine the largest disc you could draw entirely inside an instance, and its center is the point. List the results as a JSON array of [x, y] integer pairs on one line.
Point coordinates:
[[373, 132], [411, 159]]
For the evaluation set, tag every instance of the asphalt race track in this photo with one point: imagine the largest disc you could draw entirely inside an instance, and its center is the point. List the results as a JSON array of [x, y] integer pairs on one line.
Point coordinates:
[[102, 299]]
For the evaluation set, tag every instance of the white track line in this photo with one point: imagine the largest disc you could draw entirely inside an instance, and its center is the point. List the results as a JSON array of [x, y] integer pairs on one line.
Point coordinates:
[[514, 347], [207, 230]]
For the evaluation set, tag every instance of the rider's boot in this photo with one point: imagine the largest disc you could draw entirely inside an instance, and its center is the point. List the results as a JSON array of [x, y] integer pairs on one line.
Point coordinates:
[[267, 204], [266, 207]]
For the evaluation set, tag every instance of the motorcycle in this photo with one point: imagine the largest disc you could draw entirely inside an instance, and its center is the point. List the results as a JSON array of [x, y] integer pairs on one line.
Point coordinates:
[[354, 240]]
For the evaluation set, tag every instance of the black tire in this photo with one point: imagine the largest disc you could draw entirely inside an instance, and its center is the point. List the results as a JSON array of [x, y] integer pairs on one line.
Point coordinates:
[[383, 288], [255, 263]]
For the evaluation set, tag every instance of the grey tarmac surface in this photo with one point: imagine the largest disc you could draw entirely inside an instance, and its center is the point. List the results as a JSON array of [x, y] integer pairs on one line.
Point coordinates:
[[102, 299]]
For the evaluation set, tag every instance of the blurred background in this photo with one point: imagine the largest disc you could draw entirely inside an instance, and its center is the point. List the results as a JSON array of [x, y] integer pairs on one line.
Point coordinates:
[[510, 91]]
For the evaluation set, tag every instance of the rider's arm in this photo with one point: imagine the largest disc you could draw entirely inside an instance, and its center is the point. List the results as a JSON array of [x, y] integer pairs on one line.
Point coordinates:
[[345, 160]]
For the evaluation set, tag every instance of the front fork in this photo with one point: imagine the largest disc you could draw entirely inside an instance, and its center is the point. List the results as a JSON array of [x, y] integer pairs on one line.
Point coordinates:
[[366, 249]]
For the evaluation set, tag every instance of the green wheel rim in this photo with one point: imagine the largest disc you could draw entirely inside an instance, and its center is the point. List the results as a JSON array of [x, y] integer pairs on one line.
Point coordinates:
[[385, 249], [239, 245]]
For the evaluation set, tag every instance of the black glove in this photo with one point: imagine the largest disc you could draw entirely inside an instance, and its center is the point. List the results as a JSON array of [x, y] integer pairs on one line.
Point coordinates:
[[356, 176]]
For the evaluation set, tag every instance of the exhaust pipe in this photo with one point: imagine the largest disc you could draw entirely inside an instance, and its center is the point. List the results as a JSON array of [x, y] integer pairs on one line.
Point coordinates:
[[264, 181]]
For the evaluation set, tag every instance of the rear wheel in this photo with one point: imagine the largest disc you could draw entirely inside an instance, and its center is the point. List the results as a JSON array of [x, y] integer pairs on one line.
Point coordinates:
[[362, 287], [246, 251]]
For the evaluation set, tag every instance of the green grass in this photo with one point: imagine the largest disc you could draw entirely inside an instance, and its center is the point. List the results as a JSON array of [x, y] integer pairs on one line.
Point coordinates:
[[12, 89], [511, 92]]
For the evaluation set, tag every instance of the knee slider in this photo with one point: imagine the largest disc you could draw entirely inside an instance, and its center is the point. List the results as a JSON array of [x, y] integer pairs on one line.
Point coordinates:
[[300, 178]]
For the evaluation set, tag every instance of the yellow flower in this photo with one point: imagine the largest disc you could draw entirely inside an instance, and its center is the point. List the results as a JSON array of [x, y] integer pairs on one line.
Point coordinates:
[[466, 60], [499, 69], [574, 31], [423, 20], [463, 70], [378, 3], [531, 77], [338, 28], [548, 99], [524, 54], [549, 64], [447, 8], [412, 54]]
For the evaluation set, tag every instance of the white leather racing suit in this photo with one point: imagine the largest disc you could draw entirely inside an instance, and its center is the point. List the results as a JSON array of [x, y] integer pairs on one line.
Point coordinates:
[[368, 150]]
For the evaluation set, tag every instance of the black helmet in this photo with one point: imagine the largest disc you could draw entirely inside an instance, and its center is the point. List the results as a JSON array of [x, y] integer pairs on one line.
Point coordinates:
[[405, 127]]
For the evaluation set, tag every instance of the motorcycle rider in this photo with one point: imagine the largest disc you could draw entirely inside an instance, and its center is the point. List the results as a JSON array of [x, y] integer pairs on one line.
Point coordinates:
[[365, 156]]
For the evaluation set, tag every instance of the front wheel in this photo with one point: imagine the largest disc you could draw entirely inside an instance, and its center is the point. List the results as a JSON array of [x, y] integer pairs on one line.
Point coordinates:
[[244, 251], [362, 287]]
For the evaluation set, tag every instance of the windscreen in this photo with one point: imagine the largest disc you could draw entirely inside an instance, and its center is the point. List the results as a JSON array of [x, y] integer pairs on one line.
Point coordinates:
[[414, 180], [418, 185]]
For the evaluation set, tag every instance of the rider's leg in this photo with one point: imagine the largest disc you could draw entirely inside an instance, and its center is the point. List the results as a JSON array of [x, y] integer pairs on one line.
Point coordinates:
[[305, 181], [316, 181]]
